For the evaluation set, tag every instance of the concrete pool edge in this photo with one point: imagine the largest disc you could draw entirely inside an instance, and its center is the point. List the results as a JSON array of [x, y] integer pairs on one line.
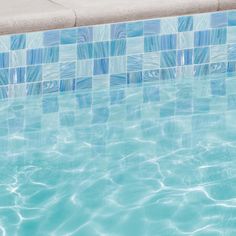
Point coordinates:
[[27, 16]]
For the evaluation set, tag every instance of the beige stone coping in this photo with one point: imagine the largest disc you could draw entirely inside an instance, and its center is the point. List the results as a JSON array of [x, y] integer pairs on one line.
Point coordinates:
[[18, 16]]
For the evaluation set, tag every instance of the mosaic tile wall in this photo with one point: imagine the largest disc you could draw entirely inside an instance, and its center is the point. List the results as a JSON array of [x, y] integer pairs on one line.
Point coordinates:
[[120, 54]]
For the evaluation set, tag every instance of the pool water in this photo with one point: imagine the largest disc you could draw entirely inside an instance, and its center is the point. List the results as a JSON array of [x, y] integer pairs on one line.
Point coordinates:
[[149, 160]]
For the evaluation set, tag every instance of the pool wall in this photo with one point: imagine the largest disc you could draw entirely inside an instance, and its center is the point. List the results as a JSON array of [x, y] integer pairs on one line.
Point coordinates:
[[120, 54]]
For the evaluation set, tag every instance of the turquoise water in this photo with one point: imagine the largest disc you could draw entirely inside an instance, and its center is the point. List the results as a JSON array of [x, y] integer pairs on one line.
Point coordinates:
[[150, 160]]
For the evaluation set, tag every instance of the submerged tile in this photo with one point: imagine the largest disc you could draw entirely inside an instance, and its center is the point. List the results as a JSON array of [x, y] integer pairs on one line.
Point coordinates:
[[101, 66]]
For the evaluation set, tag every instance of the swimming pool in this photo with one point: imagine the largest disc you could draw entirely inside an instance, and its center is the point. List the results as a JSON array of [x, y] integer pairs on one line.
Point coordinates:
[[152, 159], [122, 129]]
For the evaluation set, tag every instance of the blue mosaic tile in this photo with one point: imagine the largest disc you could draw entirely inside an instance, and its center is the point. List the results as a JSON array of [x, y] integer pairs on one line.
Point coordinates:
[[218, 36], [32, 124], [185, 72], [202, 38], [231, 34], [184, 92], [117, 96], [168, 42], [218, 87], [167, 74], [151, 27], [167, 109], [83, 83], [4, 76], [232, 52], [232, 18], [18, 41], [135, 29], [183, 106], [135, 45], [85, 68], [101, 49], [67, 70], [118, 80], [84, 34], [118, 47], [185, 40], [34, 40], [152, 44], [101, 66], [33, 89], [219, 19], [17, 75], [3, 92], [133, 112], [68, 36], [51, 55], [231, 68], [218, 68], [101, 82], [231, 102], [67, 119], [51, 38], [169, 25], [201, 55], [67, 85], [101, 33], [185, 57], [51, 71], [50, 86], [100, 115], [85, 51], [16, 124], [68, 53], [118, 65], [135, 78], [168, 59], [218, 53], [84, 100], [151, 61], [35, 56], [50, 104], [151, 94], [185, 23], [4, 43], [201, 70], [201, 21], [18, 58], [4, 60], [201, 105], [134, 63], [34, 73], [151, 75], [118, 31]]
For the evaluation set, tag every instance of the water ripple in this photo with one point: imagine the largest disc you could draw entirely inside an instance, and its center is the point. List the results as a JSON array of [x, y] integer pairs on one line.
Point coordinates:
[[142, 172]]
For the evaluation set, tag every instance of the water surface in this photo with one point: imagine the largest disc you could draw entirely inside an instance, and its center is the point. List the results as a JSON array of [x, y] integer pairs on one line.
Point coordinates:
[[150, 160]]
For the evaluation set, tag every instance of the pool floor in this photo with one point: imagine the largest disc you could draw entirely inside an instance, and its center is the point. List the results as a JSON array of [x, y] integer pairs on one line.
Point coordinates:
[[151, 160]]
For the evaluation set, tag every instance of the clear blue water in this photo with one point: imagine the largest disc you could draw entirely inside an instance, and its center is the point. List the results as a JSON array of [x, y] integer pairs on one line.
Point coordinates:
[[152, 160]]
